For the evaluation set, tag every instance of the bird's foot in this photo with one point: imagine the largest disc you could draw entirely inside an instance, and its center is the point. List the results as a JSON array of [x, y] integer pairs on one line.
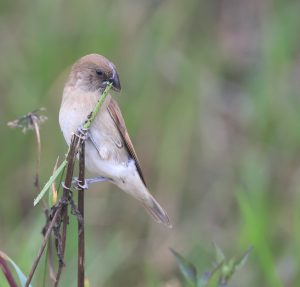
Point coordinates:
[[64, 186], [97, 179], [85, 134], [76, 184], [82, 133]]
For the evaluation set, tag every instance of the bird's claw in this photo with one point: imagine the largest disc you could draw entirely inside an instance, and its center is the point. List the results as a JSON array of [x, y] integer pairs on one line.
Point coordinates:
[[64, 186], [78, 185], [82, 132]]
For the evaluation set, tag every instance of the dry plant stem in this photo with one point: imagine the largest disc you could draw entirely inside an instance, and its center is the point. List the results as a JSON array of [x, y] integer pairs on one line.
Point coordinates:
[[42, 248], [52, 274], [38, 160], [64, 210], [81, 250], [76, 142], [64, 233], [61, 212]]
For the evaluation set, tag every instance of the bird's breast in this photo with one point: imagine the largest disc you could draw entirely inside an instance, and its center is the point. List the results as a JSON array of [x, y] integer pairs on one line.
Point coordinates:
[[105, 149], [75, 108]]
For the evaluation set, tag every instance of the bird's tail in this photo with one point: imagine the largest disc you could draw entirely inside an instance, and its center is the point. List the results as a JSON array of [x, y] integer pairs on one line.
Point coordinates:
[[156, 211]]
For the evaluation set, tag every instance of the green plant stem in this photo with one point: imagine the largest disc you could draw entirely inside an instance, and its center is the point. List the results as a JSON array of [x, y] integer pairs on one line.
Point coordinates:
[[94, 113]]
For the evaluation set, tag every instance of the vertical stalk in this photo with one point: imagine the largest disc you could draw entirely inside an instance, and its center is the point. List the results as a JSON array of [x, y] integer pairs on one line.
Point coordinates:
[[66, 193], [81, 251]]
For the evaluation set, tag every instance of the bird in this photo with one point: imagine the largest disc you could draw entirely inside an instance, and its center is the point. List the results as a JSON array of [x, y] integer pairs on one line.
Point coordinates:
[[109, 152]]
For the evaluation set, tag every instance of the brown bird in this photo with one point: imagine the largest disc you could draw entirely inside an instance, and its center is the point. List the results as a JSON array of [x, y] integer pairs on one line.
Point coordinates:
[[109, 152]]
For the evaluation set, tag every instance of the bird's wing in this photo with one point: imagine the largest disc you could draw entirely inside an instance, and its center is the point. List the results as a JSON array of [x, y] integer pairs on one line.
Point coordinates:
[[117, 117]]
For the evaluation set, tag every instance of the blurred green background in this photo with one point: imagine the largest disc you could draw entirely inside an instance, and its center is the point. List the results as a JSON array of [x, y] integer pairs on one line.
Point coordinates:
[[211, 100]]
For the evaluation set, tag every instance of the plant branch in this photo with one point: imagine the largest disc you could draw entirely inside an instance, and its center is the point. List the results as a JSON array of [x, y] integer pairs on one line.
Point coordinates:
[[81, 247], [39, 150], [61, 213], [66, 194], [42, 248]]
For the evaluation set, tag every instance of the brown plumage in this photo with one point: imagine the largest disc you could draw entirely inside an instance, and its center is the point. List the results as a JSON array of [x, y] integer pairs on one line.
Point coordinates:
[[109, 150], [116, 115]]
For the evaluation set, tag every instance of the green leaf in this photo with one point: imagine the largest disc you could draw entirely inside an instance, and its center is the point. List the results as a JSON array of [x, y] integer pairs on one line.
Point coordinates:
[[243, 259], [209, 277], [20, 274], [220, 257], [203, 280], [187, 269], [50, 181], [229, 269], [227, 272]]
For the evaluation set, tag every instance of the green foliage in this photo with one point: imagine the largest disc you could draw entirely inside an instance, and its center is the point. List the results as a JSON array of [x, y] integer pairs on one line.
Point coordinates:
[[188, 270], [218, 276], [48, 184], [210, 96], [22, 278]]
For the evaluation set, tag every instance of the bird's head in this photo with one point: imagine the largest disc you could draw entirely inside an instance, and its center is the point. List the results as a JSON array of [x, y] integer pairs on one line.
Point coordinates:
[[93, 72]]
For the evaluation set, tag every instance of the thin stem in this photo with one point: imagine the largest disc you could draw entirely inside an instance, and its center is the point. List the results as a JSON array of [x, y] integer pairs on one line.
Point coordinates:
[[64, 211], [94, 113], [81, 250], [42, 248], [64, 233], [39, 149]]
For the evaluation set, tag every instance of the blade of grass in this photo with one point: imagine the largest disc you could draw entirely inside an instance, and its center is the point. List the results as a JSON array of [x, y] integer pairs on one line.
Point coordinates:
[[6, 271], [49, 182], [20, 274]]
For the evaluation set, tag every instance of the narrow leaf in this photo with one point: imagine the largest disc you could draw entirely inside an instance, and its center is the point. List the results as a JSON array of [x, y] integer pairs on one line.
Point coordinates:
[[49, 183], [20, 274], [243, 259], [187, 269], [207, 276], [7, 273], [53, 194], [203, 280], [219, 253]]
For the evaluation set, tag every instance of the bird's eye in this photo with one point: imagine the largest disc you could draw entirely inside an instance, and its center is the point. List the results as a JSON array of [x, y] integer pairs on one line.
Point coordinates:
[[99, 72]]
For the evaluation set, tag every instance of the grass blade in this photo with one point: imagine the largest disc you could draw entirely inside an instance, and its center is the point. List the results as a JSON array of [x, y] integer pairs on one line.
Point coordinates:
[[20, 274], [187, 269], [49, 183]]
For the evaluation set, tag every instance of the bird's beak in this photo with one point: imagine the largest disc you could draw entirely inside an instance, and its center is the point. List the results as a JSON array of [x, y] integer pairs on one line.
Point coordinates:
[[116, 86]]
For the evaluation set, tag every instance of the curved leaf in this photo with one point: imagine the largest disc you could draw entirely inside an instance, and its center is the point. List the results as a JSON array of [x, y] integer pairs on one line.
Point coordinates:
[[187, 269], [20, 274], [7, 273]]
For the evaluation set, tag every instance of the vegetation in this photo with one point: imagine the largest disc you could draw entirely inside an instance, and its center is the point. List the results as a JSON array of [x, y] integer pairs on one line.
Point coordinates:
[[210, 95]]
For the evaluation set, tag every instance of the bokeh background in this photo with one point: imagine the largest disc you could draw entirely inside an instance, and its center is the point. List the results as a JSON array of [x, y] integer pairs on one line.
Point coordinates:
[[211, 100]]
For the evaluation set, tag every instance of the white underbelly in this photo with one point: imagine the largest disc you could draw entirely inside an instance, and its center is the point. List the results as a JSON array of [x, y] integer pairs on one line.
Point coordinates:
[[123, 174]]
